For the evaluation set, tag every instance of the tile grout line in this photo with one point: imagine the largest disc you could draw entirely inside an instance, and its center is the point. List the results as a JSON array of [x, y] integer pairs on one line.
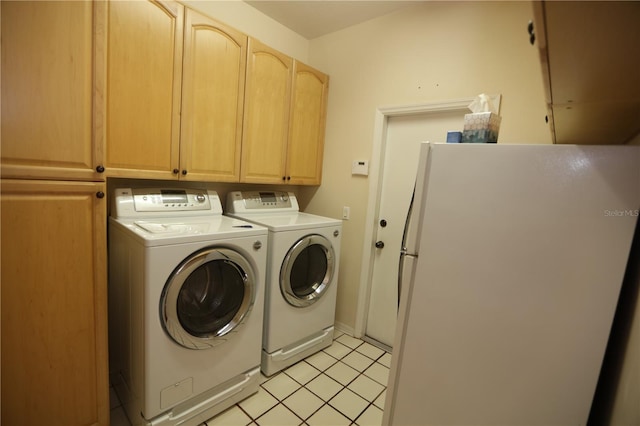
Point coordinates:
[[376, 359], [323, 372], [360, 373], [343, 387]]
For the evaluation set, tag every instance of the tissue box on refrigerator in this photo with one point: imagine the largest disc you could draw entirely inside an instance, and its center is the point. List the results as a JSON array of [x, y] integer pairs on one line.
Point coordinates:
[[481, 127]]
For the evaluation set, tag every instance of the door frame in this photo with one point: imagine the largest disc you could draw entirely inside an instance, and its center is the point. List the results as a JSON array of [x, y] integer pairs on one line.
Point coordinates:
[[375, 187]]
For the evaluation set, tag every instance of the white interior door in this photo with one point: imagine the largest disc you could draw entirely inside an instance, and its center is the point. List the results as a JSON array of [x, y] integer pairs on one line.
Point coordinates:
[[400, 163]]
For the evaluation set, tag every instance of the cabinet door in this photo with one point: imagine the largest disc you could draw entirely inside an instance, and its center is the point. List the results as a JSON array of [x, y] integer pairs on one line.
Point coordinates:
[[54, 320], [266, 114], [212, 100], [144, 60], [48, 89], [307, 124]]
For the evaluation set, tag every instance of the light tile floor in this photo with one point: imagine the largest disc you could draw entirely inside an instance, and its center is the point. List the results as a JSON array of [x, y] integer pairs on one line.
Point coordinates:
[[344, 384]]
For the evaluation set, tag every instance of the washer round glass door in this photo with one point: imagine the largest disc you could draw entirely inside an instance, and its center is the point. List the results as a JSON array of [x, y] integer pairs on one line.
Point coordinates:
[[207, 296], [307, 270]]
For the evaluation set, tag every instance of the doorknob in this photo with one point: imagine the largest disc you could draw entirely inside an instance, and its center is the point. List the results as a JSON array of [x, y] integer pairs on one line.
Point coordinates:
[[379, 244]]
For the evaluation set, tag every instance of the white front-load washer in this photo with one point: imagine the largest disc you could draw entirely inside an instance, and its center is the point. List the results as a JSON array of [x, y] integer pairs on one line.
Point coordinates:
[[302, 275], [186, 299]]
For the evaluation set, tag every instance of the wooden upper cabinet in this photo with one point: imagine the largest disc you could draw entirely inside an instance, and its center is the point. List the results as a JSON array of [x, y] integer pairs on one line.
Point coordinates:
[[175, 93], [212, 100], [307, 125], [589, 56], [266, 114], [144, 61], [50, 85], [284, 121], [54, 303]]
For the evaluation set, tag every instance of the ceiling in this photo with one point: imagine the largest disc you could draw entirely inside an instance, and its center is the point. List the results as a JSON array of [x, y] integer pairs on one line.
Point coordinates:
[[315, 18]]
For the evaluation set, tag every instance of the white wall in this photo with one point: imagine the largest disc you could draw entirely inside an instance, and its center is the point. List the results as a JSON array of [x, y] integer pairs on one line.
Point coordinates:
[[428, 52]]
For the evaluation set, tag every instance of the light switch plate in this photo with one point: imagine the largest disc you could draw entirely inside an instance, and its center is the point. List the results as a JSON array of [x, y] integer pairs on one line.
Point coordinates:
[[346, 212]]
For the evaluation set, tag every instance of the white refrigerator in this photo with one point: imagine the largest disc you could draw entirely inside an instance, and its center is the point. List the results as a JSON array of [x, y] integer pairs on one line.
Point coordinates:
[[518, 253]]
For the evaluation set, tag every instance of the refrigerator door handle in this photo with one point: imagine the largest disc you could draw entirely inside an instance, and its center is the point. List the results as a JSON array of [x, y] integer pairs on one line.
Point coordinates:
[[403, 254]]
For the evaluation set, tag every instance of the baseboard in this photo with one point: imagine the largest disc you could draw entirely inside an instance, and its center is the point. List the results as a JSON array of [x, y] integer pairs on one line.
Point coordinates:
[[340, 327]]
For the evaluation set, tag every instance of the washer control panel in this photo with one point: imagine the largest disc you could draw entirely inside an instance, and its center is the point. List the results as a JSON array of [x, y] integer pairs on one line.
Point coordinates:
[[170, 199], [252, 201], [174, 201]]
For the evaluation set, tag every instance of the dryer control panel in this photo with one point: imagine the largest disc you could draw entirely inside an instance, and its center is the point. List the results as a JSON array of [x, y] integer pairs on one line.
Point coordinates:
[[133, 202], [261, 201]]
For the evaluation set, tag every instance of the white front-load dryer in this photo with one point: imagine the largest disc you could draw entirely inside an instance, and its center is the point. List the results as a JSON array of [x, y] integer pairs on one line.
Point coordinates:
[[186, 297], [302, 275]]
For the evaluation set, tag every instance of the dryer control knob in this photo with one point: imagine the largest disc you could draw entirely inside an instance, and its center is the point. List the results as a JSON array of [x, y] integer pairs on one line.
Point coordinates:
[[200, 198], [257, 245], [336, 233]]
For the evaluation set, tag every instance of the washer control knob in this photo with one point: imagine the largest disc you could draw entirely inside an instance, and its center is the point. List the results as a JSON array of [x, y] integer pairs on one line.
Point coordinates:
[[257, 245], [200, 198], [336, 233]]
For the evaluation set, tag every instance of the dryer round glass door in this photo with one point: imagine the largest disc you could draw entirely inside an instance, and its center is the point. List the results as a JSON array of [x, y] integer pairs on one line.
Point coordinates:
[[307, 270], [206, 297]]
